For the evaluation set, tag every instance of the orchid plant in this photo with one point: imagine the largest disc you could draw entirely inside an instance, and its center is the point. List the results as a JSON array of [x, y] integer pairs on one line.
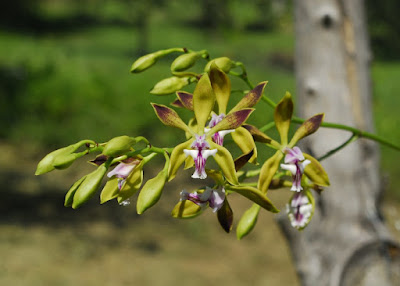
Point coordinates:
[[122, 159]]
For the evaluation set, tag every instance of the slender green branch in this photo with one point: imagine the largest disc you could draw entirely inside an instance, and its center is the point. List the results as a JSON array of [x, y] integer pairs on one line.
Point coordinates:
[[352, 138], [268, 101], [267, 126]]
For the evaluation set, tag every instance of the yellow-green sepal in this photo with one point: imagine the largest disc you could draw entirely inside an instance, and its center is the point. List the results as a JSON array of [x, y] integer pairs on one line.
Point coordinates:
[[110, 190], [69, 197], [246, 143], [170, 85], [186, 209], [221, 85], [315, 172], [251, 98], [307, 128], [282, 116], [268, 171], [203, 102], [88, 186], [132, 183], [254, 195], [225, 161], [169, 117], [247, 221], [232, 121], [177, 158]]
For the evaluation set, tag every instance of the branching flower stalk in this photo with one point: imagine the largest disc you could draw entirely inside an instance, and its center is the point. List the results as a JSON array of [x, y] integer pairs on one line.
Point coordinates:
[[122, 159]]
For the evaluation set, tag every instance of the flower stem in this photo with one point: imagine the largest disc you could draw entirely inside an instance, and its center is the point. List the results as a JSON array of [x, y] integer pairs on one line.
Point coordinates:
[[353, 138]]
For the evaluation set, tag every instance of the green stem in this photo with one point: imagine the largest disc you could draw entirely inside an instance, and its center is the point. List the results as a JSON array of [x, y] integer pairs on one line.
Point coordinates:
[[267, 126]]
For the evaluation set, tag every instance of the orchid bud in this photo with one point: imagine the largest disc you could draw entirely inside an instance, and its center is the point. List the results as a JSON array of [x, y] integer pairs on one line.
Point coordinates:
[[69, 197], [146, 61], [88, 187], [224, 63], [65, 160], [169, 85], [47, 163], [151, 192], [118, 146], [185, 61], [247, 221]]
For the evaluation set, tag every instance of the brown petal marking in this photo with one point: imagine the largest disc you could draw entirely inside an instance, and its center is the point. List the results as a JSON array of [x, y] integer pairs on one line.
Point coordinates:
[[186, 99], [257, 134]]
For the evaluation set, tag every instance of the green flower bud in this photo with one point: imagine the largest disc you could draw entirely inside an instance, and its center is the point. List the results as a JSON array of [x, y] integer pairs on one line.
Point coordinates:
[[88, 187], [247, 221], [65, 160], [169, 85], [118, 146], [185, 61], [151, 192], [144, 62], [47, 163], [224, 63], [69, 197]]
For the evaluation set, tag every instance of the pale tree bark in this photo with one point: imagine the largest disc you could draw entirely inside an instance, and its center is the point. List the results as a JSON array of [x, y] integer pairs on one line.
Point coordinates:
[[346, 243]]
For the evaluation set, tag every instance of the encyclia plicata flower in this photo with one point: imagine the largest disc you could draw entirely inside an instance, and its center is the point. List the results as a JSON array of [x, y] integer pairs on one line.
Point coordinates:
[[200, 152], [122, 171], [214, 198], [295, 163], [299, 210], [200, 144]]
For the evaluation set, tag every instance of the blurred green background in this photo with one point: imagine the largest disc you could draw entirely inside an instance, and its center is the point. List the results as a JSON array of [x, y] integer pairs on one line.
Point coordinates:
[[64, 76]]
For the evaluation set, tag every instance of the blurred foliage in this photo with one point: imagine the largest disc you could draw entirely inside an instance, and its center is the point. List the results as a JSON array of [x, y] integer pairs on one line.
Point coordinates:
[[384, 28]]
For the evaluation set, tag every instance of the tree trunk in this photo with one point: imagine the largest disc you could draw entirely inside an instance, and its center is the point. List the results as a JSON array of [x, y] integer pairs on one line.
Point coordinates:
[[346, 243]]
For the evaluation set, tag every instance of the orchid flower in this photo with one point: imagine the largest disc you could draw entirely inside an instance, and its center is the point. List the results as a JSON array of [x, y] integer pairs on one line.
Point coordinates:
[[221, 87], [200, 144], [300, 210], [122, 171], [295, 163], [214, 198]]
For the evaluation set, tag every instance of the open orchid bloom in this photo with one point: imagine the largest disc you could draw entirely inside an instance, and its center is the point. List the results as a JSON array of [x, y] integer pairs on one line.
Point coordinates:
[[200, 151], [122, 171], [295, 163], [218, 137], [214, 198], [299, 210], [200, 144]]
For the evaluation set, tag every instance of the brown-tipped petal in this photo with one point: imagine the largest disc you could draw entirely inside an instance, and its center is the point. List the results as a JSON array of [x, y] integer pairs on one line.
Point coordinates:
[[268, 171], [225, 161], [203, 102], [242, 160], [100, 159], [256, 196], [186, 209], [315, 172], [177, 158], [177, 103], [257, 134], [245, 141], [169, 117], [221, 85], [308, 127], [252, 98], [225, 216], [232, 120], [282, 116], [186, 99]]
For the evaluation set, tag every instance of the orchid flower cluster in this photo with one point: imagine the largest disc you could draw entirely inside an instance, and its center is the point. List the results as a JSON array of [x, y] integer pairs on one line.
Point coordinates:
[[122, 159]]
